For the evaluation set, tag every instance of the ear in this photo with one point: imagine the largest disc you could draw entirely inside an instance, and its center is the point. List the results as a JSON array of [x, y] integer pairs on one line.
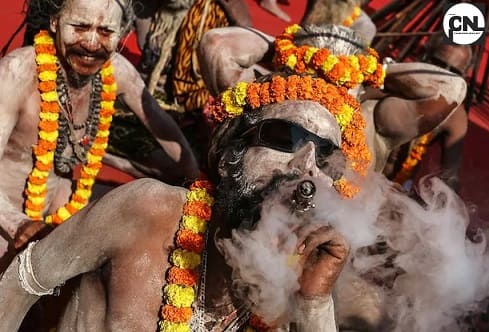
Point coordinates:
[[53, 23]]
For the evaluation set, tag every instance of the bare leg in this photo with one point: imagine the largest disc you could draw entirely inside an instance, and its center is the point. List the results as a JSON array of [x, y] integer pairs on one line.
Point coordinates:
[[272, 7], [135, 220]]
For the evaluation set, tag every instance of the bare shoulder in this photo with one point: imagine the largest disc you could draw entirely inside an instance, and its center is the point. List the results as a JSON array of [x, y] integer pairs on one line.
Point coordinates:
[[18, 68], [126, 75]]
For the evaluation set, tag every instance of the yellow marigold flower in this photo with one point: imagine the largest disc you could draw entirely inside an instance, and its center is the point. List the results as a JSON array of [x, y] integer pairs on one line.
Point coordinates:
[[63, 213], [292, 29], [46, 158], [47, 76], [43, 59], [194, 224], [344, 117], [50, 137], [291, 61], [49, 96], [37, 200], [331, 60], [99, 146], [84, 193], [239, 92], [49, 116], [179, 296], [39, 174], [228, 101], [93, 158], [107, 104], [109, 70], [166, 326], [309, 54], [353, 59], [87, 182], [109, 88], [371, 64], [36, 188], [106, 119], [39, 40], [77, 205], [32, 214], [103, 133], [200, 195], [90, 171], [185, 259], [249, 329]]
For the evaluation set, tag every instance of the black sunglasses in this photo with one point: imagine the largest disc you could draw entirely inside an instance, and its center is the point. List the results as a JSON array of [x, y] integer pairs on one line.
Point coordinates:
[[288, 137], [444, 65]]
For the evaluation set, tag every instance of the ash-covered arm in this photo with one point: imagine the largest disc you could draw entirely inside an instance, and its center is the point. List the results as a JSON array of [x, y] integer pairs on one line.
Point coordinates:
[[315, 314]]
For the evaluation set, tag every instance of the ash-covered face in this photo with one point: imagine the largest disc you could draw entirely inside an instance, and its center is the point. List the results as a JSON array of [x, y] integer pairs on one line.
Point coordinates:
[[263, 164], [87, 33]]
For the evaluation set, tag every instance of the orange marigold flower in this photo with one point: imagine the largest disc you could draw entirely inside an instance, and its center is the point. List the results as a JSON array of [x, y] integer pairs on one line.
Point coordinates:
[[48, 126], [198, 209], [190, 241], [47, 67], [47, 86], [265, 93], [253, 95], [103, 126], [71, 209], [34, 207], [50, 107], [277, 87], [107, 96], [203, 184], [176, 315], [183, 277]]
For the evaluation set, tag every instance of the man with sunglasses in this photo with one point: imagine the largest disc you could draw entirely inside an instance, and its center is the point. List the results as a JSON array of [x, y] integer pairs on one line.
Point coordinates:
[[274, 158], [457, 59]]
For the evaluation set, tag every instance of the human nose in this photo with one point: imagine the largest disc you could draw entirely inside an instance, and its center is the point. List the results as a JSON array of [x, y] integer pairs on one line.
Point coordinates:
[[90, 41], [304, 160]]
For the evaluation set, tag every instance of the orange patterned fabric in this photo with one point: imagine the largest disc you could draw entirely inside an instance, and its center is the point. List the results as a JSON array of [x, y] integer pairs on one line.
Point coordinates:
[[188, 87]]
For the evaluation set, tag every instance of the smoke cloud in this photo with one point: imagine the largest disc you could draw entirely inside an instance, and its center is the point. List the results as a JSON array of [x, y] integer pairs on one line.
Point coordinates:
[[412, 268]]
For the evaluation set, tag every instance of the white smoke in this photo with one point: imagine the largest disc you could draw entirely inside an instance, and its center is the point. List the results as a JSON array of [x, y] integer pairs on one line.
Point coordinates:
[[430, 274]]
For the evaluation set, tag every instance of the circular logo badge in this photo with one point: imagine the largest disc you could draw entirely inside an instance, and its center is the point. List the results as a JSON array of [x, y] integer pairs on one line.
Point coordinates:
[[464, 24]]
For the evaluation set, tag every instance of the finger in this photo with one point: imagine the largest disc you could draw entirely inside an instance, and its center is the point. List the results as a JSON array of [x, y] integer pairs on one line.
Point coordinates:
[[302, 233], [327, 240]]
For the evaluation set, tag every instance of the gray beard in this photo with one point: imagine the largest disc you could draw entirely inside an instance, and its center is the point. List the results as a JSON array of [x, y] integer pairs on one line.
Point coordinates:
[[240, 207]]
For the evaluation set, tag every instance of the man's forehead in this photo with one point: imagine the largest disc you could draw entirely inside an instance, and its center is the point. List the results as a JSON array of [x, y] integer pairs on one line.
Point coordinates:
[[310, 115], [104, 12]]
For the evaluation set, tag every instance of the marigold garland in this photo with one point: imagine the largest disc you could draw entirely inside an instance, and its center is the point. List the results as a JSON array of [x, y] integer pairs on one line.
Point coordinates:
[[344, 70], [357, 11], [36, 186], [343, 106], [415, 155], [183, 276]]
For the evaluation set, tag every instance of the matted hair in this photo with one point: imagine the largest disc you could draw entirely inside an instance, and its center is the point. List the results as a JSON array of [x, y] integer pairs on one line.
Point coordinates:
[[338, 39], [328, 11]]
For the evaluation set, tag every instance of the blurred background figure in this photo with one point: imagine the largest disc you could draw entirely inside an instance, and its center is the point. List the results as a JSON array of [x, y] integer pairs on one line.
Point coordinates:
[[404, 162]]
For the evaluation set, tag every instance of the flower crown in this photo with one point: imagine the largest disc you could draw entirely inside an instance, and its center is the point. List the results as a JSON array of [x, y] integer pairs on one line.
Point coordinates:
[[344, 70], [336, 99]]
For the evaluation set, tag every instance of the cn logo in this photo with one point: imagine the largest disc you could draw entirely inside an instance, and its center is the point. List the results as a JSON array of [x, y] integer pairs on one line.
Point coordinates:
[[464, 23]]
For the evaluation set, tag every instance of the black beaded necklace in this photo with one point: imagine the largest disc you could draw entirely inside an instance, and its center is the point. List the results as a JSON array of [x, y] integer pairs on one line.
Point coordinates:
[[67, 127]]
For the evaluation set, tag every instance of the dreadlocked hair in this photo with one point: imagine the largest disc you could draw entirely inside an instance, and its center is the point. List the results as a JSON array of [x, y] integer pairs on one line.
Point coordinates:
[[39, 12]]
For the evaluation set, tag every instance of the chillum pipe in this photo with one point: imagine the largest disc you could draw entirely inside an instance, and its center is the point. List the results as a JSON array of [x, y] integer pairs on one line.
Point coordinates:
[[303, 196]]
